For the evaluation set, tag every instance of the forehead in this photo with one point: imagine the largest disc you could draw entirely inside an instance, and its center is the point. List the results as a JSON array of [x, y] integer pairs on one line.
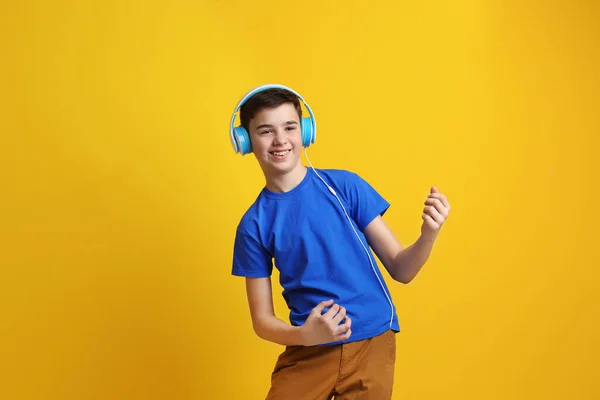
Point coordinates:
[[275, 115]]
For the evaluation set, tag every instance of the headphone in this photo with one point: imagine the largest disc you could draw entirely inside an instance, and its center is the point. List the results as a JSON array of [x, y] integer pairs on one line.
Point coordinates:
[[240, 139]]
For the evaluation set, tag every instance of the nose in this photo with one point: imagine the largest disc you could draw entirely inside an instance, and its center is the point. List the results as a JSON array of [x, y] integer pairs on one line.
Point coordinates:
[[279, 137]]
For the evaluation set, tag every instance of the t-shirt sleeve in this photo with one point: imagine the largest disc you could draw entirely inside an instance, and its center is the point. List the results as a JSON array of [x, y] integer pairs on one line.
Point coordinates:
[[366, 202], [250, 258]]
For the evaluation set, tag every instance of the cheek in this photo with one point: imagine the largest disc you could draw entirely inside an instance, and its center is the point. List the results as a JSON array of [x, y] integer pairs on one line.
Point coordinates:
[[297, 138], [259, 146]]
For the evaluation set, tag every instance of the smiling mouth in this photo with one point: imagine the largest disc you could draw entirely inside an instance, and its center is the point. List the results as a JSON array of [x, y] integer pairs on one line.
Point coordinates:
[[280, 153]]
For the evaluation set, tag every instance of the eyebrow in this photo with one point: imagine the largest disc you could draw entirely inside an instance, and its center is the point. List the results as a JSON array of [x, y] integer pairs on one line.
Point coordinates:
[[270, 126]]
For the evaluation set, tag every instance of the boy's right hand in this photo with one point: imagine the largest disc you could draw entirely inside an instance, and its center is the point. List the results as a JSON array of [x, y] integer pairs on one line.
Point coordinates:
[[325, 328]]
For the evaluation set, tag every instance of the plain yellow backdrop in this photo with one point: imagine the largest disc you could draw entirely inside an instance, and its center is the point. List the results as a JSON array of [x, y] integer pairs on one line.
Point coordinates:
[[120, 192]]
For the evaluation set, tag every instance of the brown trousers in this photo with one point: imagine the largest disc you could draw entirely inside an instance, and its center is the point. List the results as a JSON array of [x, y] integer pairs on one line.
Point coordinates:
[[351, 371]]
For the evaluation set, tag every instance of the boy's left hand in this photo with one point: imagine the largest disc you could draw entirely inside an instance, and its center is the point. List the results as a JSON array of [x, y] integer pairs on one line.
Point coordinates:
[[435, 213]]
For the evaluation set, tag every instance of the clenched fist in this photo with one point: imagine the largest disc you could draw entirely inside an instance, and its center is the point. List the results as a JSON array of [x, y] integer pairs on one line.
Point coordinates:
[[435, 213], [326, 328]]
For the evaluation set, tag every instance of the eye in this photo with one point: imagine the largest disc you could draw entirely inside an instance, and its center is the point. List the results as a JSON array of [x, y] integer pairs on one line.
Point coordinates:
[[265, 132], [290, 128]]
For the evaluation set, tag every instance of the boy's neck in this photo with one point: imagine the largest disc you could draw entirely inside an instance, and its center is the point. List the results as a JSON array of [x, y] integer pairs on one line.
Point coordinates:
[[286, 182]]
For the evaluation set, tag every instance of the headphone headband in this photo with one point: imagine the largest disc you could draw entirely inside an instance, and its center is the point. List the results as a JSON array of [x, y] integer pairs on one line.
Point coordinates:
[[235, 139]]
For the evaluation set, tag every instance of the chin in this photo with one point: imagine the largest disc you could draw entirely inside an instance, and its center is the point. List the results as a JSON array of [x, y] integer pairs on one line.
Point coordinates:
[[283, 167]]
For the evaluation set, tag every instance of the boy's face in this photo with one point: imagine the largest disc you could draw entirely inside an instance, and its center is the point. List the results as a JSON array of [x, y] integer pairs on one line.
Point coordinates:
[[275, 134]]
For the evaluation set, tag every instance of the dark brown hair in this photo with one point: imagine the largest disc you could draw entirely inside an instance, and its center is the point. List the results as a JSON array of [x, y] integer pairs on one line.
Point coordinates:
[[269, 98]]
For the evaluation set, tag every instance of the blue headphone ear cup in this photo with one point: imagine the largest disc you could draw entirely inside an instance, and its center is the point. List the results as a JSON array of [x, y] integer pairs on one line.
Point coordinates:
[[242, 140], [307, 132]]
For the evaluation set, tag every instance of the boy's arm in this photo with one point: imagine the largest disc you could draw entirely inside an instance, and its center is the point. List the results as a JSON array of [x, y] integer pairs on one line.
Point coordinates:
[[266, 325], [403, 264], [319, 328]]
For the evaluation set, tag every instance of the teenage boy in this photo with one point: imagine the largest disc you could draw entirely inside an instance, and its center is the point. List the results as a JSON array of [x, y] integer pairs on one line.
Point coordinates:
[[317, 227]]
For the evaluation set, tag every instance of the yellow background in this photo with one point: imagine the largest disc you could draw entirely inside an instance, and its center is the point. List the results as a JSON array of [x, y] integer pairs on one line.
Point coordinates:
[[120, 192]]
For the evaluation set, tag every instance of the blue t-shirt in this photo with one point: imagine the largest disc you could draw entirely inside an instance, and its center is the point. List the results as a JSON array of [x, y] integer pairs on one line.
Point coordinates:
[[308, 236]]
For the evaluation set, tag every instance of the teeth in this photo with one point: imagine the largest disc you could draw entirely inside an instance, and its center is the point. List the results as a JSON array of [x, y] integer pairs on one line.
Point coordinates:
[[280, 153]]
